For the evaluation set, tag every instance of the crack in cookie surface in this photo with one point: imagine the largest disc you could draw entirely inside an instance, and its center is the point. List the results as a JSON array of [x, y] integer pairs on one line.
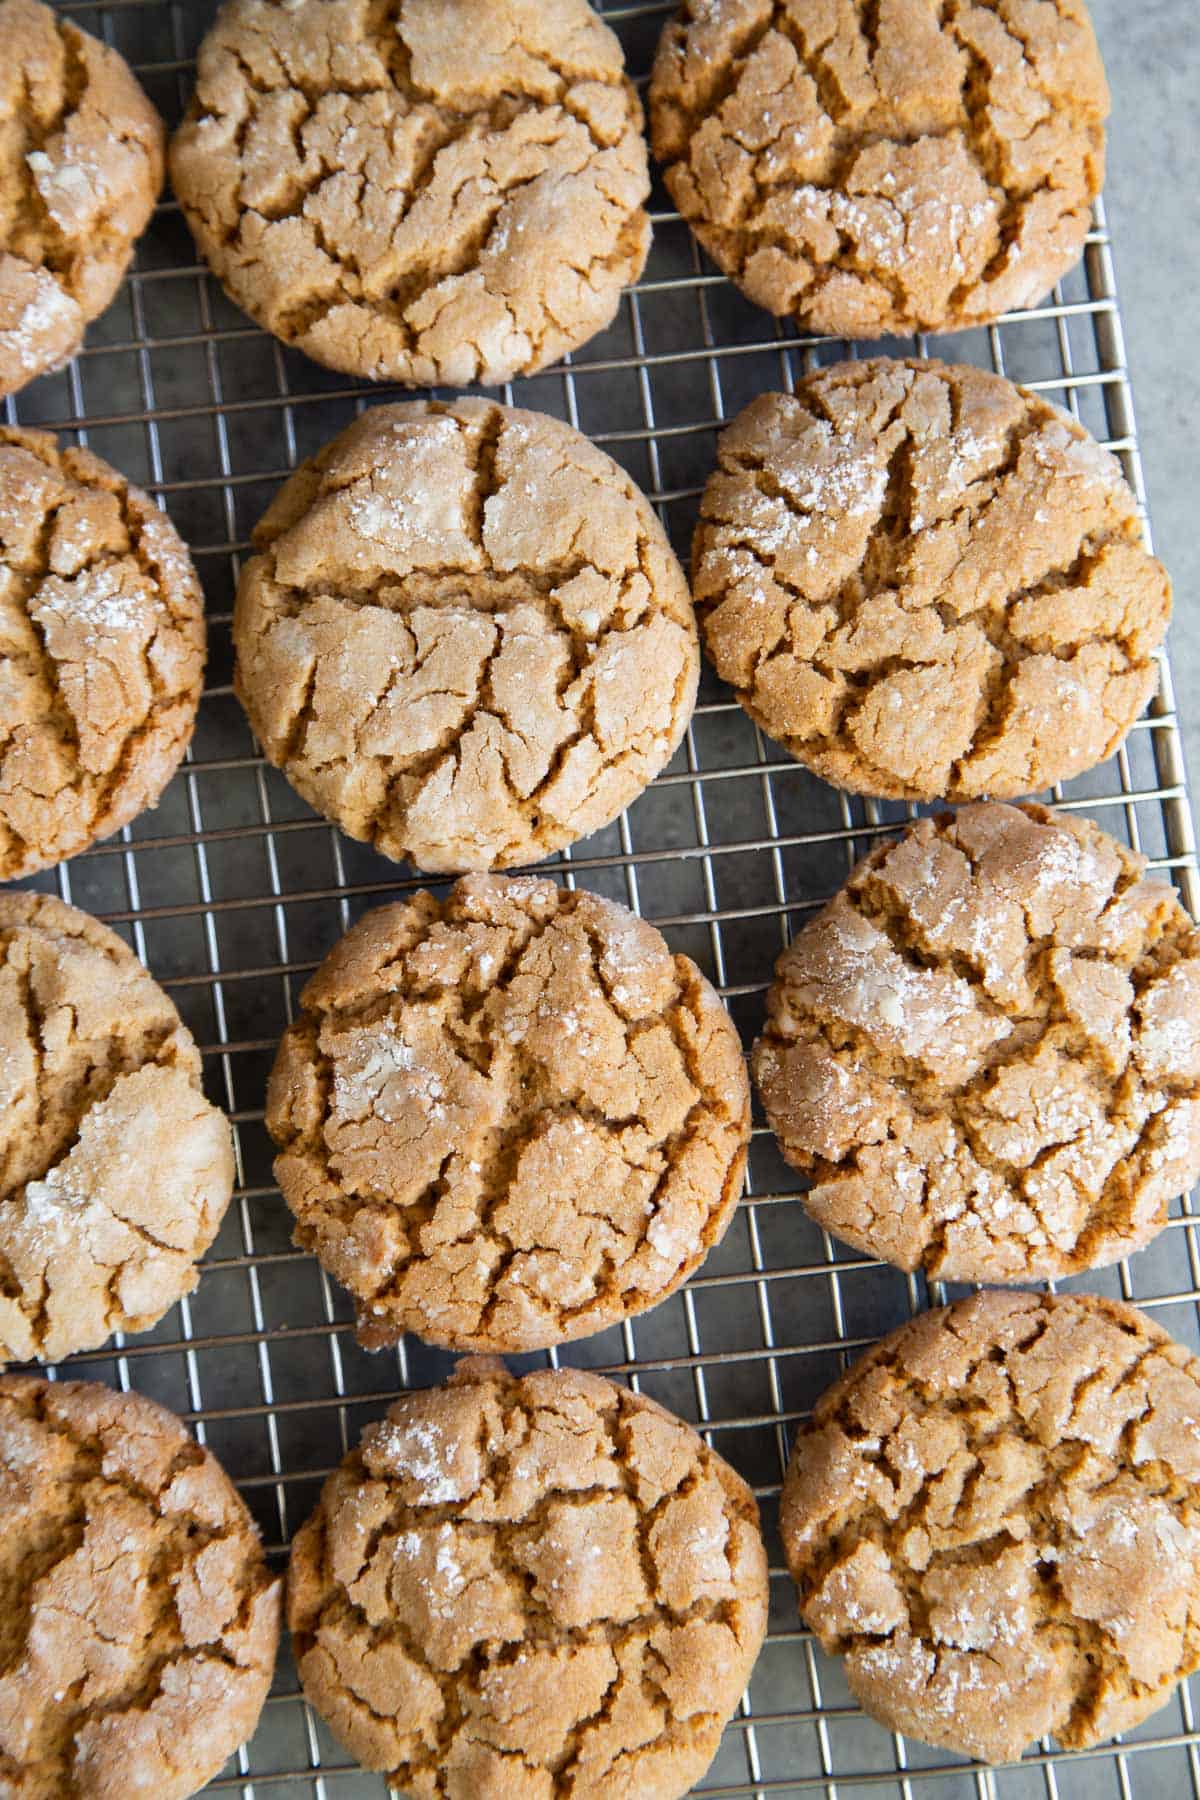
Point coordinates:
[[465, 638], [101, 651], [140, 1623], [995, 1518], [81, 165], [546, 1585], [985, 1050], [510, 1118], [416, 190], [99, 1084], [876, 170], [927, 583]]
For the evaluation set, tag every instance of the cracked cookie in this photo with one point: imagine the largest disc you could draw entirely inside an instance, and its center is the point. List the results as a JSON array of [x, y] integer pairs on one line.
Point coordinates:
[[531, 1588], [873, 170], [435, 192], [995, 1518], [927, 583], [141, 1623], [80, 170], [101, 651], [986, 1050], [99, 1084], [508, 1118], [465, 637]]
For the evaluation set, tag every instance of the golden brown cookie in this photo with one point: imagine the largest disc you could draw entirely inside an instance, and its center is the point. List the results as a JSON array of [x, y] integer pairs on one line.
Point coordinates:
[[140, 1620], [927, 583], [508, 1118], [875, 169], [986, 1049], [81, 165], [995, 1518], [431, 191], [101, 651], [530, 1588], [465, 637], [115, 1172]]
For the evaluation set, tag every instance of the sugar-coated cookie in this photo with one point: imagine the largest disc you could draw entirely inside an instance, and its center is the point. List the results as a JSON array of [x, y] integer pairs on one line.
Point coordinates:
[[995, 1518], [508, 1118], [465, 637], [986, 1049], [81, 157], [872, 170], [531, 1588], [115, 1171], [101, 651], [141, 1622], [435, 192], [927, 583]]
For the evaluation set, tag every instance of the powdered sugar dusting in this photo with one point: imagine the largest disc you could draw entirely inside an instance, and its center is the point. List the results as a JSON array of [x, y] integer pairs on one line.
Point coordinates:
[[1065, 862], [880, 991], [667, 1234], [371, 1059], [67, 186], [55, 1216], [842, 481], [98, 600], [50, 314], [1058, 445], [419, 1452]]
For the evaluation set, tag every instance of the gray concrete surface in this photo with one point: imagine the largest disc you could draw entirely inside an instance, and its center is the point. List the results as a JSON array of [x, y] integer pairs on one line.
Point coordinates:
[[1152, 53]]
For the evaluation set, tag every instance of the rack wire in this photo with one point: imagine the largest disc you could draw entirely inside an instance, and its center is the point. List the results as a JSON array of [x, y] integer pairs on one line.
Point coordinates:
[[232, 891]]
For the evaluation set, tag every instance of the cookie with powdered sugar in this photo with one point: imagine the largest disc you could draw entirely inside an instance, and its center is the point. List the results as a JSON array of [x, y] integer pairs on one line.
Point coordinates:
[[871, 170], [433, 192], [534, 1587], [81, 151], [115, 1171], [508, 1118], [102, 646], [985, 1051], [994, 1518], [464, 636], [142, 1621], [926, 583]]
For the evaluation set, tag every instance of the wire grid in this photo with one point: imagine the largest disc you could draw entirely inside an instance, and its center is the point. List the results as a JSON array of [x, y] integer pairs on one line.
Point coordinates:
[[233, 890]]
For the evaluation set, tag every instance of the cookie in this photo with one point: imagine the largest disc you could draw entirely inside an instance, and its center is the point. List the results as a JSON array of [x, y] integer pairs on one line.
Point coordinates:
[[101, 651], [927, 583], [986, 1050], [869, 170], [434, 192], [465, 637], [80, 170], [508, 1118], [530, 1588], [115, 1172], [994, 1518], [141, 1623]]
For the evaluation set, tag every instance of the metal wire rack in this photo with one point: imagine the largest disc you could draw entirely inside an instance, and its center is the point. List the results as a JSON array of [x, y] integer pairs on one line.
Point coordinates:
[[232, 891]]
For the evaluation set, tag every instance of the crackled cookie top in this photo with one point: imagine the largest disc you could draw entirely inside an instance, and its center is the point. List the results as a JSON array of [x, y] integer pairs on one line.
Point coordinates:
[[101, 651], [873, 169], [426, 191], [465, 638], [115, 1172], [140, 1623], [995, 1518], [81, 165], [986, 1049], [530, 1589], [509, 1118], [927, 583]]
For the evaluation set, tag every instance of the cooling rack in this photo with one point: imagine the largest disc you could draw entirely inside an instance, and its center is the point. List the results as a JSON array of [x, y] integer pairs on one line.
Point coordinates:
[[233, 890]]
